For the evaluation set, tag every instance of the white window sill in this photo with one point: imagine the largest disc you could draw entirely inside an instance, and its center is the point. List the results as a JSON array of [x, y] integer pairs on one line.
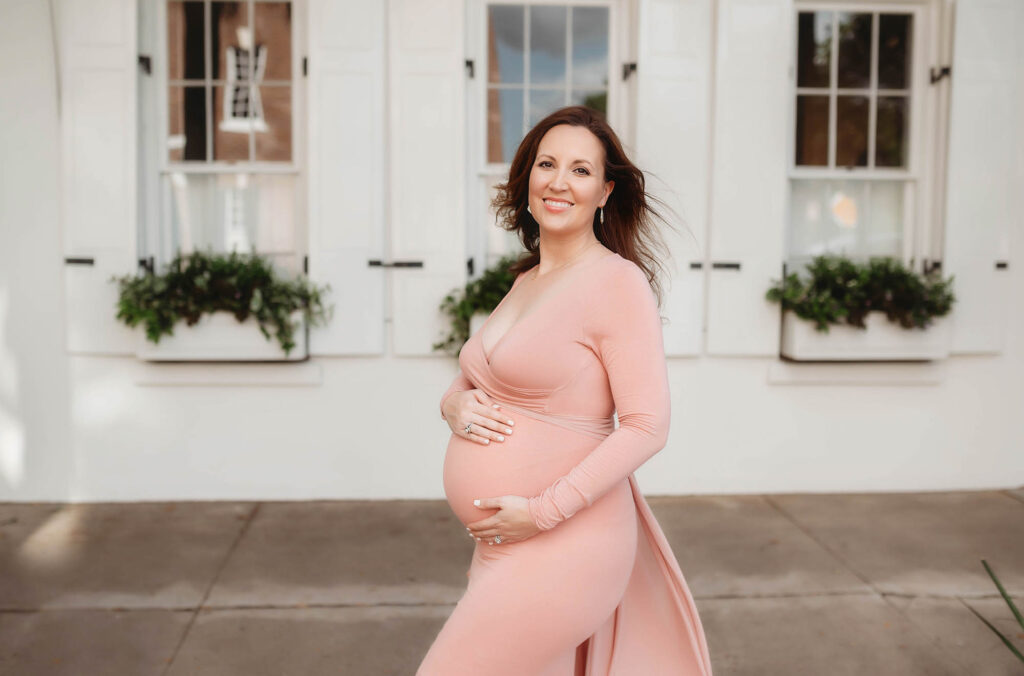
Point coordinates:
[[301, 374], [857, 373]]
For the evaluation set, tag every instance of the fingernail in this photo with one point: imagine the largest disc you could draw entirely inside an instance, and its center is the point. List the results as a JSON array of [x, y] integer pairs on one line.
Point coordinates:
[[501, 438], [476, 503], [494, 405], [511, 422], [487, 441], [508, 431]]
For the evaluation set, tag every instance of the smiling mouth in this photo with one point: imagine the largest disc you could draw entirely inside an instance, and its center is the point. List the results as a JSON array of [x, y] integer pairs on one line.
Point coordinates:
[[560, 204]]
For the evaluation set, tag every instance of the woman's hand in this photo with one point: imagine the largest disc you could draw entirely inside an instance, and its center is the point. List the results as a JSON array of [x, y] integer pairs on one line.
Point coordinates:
[[512, 520], [475, 408]]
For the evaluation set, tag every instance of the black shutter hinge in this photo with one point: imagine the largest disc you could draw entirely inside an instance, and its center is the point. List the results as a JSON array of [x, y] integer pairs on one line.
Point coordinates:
[[146, 63], [628, 69], [937, 74], [470, 69], [305, 66], [305, 265]]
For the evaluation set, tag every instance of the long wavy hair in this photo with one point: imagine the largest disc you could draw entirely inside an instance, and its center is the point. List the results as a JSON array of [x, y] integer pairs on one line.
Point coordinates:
[[631, 214]]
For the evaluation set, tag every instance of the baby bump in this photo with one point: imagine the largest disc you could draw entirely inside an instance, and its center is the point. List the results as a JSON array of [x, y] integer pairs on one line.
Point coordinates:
[[528, 461]]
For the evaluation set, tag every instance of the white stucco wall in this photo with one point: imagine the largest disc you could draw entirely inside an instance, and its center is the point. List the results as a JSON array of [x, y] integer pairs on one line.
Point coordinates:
[[113, 428], [35, 382]]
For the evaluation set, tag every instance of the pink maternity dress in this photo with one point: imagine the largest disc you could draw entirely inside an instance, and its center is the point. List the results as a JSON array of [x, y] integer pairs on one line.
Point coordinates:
[[598, 591]]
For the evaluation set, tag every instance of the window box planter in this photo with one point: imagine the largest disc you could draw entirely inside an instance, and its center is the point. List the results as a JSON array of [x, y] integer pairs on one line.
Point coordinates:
[[882, 340], [218, 336]]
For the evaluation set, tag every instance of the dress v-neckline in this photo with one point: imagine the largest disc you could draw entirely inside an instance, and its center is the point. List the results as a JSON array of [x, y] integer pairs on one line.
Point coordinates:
[[526, 315]]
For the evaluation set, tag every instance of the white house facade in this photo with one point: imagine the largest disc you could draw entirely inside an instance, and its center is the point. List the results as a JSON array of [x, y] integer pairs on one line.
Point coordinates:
[[359, 143]]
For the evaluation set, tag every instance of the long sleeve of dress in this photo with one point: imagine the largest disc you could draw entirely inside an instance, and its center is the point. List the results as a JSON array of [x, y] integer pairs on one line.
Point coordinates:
[[460, 384], [624, 330]]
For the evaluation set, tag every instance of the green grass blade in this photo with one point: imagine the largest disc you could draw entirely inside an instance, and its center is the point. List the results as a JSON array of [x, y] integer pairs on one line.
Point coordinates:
[[1006, 597], [998, 633]]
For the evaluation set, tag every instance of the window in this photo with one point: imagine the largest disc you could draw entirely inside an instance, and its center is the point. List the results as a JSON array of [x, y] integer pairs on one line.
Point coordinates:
[[852, 189], [541, 58], [223, 138]]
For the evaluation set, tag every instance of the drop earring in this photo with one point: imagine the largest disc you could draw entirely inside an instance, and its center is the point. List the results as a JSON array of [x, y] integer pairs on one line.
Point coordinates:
[[528, 210], [601, 216]]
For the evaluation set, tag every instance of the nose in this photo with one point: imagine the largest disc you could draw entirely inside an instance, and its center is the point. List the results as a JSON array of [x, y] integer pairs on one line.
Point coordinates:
[[559, 181]]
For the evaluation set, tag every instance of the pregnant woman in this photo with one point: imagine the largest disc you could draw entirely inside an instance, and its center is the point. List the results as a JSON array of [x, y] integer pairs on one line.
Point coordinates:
[[571, 573]]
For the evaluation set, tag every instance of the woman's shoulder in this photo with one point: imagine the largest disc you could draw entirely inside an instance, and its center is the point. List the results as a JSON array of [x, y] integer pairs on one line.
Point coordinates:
[[623, 276]]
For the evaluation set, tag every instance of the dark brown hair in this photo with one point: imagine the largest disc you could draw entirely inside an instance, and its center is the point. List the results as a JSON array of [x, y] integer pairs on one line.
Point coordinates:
[[629, 227]]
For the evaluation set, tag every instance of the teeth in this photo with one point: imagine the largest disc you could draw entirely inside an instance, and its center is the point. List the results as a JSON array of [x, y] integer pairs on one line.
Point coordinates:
[[556, 203]]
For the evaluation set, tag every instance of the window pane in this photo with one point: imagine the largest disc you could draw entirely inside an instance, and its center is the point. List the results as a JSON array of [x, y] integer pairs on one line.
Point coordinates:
[[814, 50], [596, 99], [856, 218], [225, 212], [590, 46], [185, 41], [894, 51], [232, 106], [885, 219], [275, 144], [812, 130], [542, 102], [230, 37], [547, 44], [851, 131], [891, 132], [273, 22], [505, 43], [504, 123], [854, 50], [186, 124]]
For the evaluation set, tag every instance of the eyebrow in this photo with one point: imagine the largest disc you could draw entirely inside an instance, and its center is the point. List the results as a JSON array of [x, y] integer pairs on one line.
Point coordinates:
[[574, 161]]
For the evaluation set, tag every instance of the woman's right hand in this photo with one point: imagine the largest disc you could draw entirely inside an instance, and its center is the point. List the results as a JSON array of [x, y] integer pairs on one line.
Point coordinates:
[[474, 406]]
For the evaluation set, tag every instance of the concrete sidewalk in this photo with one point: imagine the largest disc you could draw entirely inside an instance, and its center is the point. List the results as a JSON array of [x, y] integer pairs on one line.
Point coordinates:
[[868, 584]]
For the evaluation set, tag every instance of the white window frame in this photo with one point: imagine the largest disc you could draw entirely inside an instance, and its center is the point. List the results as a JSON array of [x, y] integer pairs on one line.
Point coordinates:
[[620, 14], [155, 166], [920, 202]]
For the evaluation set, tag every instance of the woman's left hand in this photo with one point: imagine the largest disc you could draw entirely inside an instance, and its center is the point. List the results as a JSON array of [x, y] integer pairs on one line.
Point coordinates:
[[512, 520]]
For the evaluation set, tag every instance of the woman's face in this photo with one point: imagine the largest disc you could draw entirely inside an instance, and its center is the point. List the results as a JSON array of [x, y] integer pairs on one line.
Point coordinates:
[[567, 179]]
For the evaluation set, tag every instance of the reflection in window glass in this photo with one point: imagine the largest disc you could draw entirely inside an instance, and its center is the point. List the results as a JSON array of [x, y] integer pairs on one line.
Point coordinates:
[[548, 44], [504, 122], [812, 130], [505, 43], [590, 46], [276, 144], [891, 132], [185, 41], [229, 32], [231, 133], [232, 212], [854, 50], [854, 218], [186, 124], [596, 99], [545, 75], [894, 51], [814, 49], [542, 102], [851, 131], [273, 24]]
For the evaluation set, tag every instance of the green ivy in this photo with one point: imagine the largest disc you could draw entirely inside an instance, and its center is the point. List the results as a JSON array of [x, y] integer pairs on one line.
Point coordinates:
[[839, 290], [203, 282], [480, 295]]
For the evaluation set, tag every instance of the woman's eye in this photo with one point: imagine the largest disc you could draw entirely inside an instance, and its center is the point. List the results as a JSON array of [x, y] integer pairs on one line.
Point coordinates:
[[544, 163], [584, 171]]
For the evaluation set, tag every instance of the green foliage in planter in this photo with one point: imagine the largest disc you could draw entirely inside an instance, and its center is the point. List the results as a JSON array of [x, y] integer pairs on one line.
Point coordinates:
[[840, 290], [480, 295], [203, 282]]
